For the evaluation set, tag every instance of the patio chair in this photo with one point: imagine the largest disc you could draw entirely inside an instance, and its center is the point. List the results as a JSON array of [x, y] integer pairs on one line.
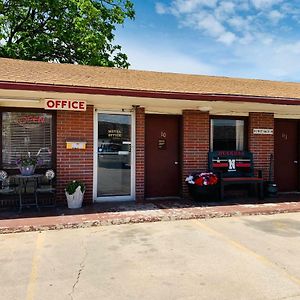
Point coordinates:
[[6, 188], [45, 186]]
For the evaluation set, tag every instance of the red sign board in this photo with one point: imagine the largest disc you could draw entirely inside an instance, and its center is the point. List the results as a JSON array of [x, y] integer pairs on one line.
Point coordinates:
[[65, 104]]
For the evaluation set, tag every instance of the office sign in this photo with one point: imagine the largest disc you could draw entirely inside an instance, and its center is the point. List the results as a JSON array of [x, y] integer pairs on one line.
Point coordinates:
[[58, 104]]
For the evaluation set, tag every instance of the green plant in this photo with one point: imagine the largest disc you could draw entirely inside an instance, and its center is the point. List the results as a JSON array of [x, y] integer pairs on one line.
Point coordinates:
[[27, 161], [73, 185], [64, 31]]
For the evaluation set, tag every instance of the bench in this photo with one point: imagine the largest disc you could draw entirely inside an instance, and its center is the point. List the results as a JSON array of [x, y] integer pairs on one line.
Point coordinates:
[[235, 167]]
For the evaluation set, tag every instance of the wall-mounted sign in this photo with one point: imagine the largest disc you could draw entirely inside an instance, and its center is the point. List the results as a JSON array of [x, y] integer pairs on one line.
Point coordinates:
[[76, 145], [262, 131], [162, 144], [65, 104]]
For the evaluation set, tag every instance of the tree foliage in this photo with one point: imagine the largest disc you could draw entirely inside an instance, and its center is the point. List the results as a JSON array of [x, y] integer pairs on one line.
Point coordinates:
[[66, 31]]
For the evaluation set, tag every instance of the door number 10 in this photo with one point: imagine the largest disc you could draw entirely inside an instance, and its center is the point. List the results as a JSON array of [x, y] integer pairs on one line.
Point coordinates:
[[163, 134]]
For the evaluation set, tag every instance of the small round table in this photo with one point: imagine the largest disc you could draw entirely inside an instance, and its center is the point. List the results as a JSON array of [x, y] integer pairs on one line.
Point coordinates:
[[23, 181]]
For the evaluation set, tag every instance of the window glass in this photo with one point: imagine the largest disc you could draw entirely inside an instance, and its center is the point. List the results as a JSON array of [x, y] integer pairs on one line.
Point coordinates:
[[114, 155], [26, 134], [227, 134]]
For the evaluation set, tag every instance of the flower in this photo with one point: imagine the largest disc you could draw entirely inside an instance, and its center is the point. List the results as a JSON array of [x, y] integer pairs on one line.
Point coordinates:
[[27, 161], [202, 179]]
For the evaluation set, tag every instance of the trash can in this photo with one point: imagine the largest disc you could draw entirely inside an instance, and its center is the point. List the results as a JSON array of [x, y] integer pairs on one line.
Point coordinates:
[[270, 189]]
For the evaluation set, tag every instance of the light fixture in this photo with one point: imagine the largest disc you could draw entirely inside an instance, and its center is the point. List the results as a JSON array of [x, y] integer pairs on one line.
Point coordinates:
[[20, 100], [204, 108], [134, 107]]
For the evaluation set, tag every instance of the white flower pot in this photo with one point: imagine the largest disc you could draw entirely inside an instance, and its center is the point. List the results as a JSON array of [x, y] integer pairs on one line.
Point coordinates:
[[75, 200]]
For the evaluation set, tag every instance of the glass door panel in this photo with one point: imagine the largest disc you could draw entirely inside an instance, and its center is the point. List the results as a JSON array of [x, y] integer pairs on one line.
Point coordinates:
[[114, 155]]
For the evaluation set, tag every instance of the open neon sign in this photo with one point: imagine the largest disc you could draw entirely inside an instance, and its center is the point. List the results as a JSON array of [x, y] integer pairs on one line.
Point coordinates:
[[31, 120]]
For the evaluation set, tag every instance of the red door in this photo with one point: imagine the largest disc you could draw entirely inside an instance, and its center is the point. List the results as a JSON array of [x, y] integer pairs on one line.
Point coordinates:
[[286, 165], [162, 156]]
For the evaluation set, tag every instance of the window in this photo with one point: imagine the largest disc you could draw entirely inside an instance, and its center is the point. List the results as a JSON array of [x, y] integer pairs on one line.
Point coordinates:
[[24, 133], [227, 134]]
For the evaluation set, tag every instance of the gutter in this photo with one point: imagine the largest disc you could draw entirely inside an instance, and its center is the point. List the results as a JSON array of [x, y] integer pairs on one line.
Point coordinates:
[[147, 93]]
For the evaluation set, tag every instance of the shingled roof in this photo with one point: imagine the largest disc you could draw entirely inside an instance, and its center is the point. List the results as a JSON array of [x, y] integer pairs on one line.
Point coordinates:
[[33, 72]]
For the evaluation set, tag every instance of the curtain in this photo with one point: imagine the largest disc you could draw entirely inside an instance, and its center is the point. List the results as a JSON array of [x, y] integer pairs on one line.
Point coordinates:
[[239, 134]]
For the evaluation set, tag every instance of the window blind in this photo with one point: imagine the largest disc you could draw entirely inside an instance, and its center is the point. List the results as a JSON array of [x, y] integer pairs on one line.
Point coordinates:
[[26, 134]]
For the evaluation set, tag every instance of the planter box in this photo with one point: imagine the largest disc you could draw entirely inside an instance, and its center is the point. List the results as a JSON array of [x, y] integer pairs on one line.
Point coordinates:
[[204, 193]]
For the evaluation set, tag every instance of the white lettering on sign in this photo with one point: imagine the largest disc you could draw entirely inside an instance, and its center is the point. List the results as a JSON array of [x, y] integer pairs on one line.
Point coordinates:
[[231, 165], [262, 131], [65, 104]]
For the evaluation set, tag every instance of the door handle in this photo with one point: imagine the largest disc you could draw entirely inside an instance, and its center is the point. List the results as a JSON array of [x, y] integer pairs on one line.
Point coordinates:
[[175, 162], [295, 161]]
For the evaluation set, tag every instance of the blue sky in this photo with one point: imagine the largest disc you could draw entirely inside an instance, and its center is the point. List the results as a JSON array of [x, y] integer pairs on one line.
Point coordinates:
[[235, 38]]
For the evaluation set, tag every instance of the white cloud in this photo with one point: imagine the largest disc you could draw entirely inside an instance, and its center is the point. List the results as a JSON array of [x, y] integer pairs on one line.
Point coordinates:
[[225, 9], [189, 6], [227, 38], [275, 16], [160, 8], [275, 61], [239, 23], [211, 25], [228, 21], [160, 58], [262, 4]]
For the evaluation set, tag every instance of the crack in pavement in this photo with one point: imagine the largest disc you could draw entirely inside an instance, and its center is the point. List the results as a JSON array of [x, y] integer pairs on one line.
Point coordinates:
[[81, 268]]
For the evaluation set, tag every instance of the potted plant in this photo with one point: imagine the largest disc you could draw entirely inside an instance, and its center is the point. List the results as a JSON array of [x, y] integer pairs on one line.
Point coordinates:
[[27, 164], [74, 192], [203, 186]]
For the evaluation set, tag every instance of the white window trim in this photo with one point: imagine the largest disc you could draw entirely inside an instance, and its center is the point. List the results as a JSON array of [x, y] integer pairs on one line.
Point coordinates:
[[95, 171]]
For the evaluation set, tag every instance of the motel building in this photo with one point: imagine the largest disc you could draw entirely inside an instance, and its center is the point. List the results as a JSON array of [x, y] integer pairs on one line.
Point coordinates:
[[136, 135]]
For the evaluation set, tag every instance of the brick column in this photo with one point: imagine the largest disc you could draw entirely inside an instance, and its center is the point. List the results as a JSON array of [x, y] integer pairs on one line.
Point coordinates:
[[195, 144], [261, 145], [75, 164], [140, 154]]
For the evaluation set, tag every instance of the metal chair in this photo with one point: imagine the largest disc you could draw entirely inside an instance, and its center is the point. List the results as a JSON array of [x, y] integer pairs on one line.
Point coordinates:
[[6, 188], [46, 186]]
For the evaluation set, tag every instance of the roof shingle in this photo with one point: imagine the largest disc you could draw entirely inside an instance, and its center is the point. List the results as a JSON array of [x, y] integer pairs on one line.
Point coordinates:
[[20, 71]]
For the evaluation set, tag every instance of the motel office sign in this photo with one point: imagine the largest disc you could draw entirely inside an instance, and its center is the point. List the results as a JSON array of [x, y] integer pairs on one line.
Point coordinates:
[[57, 104]]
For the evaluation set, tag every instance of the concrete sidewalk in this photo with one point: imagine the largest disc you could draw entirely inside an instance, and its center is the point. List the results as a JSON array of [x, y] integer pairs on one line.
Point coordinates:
[[127, 213]]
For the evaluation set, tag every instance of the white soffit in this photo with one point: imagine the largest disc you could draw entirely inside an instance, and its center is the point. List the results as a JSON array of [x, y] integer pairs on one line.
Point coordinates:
[[35, 99]]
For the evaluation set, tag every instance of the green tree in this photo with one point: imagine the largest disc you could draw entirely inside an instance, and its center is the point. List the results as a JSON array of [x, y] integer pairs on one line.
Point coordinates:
[[65, 31]]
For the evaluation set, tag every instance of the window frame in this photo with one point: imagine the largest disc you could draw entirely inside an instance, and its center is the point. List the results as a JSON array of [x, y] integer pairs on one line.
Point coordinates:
[[224, 117], [31, 110]]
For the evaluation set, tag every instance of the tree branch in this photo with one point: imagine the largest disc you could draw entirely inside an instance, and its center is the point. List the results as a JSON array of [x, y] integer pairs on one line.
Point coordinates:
[[18, 27]]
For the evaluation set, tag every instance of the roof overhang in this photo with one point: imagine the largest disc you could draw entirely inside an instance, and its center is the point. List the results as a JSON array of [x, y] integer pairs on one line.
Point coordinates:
[[146, 93]]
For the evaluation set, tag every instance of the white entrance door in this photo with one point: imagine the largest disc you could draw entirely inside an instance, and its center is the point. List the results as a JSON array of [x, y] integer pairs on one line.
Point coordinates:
[[114, 157]]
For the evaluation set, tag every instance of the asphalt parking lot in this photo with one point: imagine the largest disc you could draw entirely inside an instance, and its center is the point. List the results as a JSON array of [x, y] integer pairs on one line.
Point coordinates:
[[255, 257]]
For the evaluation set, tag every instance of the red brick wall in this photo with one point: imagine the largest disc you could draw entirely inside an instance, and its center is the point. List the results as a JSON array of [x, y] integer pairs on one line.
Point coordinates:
[[140, 154], [75, 164], [195, 143], [261, 145]]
